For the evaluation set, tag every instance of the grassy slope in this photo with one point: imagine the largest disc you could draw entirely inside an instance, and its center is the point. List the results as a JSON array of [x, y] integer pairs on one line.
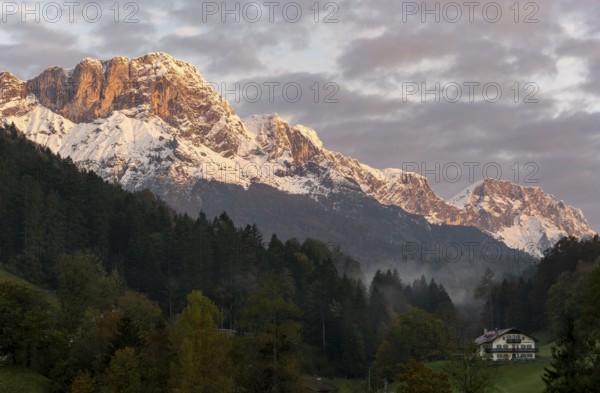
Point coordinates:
[[22, 380], [5, 275], [518, 377], [521, 377], [51, 297], [526, 377]]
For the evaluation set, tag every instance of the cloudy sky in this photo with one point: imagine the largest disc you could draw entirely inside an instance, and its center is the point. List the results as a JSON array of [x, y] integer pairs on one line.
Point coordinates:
[[518, 86]]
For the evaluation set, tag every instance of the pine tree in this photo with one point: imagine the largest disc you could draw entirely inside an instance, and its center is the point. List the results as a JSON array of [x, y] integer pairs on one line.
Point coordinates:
[[485, 292], [274, 334], [378, 314], [128, 335], [574, 362]]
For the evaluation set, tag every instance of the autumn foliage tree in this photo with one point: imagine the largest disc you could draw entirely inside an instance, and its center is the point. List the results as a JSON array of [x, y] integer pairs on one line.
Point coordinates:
[[201, 351], [416, 377], [83, 382], [124, 374]]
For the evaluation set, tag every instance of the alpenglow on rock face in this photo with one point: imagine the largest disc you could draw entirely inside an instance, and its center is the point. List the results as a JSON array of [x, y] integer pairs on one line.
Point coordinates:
[[155, 84], [154, 122], [520, 215]]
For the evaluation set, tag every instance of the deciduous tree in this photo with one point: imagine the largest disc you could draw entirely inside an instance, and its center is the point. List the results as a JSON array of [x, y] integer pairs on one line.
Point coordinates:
[[201, 352], [416, 377], [123, 374], [469, 373], [24, 320]]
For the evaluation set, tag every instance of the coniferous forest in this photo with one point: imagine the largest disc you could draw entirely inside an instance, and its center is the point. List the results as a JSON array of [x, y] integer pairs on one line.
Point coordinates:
[[124, 295]]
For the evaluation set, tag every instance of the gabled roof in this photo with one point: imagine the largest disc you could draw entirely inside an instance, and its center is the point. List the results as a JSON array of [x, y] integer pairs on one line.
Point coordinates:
[[491, 335]]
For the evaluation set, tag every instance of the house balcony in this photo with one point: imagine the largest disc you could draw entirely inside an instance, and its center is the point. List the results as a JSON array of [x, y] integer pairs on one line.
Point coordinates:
[[511, 350], [513, 341]]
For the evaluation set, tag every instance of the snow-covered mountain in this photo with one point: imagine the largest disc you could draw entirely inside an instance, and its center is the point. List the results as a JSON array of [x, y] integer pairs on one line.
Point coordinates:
[[154, 122]]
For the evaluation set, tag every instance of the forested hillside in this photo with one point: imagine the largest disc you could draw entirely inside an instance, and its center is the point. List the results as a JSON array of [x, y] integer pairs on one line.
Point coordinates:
[[155, 301], [543, 296], [139, 286]]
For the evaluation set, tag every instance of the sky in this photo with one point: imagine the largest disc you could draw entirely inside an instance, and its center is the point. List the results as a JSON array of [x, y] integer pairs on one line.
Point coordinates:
[[453, 90]]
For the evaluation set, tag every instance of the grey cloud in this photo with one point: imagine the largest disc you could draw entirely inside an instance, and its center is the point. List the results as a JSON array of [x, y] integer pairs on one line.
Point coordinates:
[[466, 51], [218, 53], [325, 99], [36, 46], [127, 39], [249, 28]]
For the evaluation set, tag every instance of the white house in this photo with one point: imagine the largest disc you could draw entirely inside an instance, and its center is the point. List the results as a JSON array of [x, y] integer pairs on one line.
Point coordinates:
[[506, 344]]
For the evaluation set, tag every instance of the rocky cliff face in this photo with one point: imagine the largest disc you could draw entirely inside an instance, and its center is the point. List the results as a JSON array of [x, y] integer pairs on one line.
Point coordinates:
[[515, 213], [154, 120], [153, 85], [523, 217], [505, 202], [13, 95], [278, 139]]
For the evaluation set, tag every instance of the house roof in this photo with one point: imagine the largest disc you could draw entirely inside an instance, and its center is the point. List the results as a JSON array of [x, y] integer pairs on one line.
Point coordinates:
[[491, 335]]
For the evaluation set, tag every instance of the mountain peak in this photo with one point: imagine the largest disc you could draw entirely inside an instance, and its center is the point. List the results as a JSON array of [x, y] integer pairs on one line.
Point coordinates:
[[90, 60], [520, 215], [159, 55], [491, 187], [492, 182], [152, 85], [462, 198], [165, 65], [95, 88], [6, 76], [13, 92]]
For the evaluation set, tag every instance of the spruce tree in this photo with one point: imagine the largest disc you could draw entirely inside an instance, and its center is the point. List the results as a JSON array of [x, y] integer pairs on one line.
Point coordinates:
[[571, 369]]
